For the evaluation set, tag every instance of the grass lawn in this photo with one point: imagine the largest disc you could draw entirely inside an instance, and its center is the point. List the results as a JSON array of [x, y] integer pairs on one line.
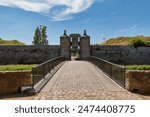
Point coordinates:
[[138, 67], [16, 67]]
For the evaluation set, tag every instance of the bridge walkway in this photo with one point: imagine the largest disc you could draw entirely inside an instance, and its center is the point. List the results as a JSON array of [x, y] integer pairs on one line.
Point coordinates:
[[82, 80]]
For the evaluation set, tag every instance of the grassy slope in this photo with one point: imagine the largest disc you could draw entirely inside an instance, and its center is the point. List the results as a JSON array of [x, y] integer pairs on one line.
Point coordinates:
[[10, 42], [125, 40], [16, 67]]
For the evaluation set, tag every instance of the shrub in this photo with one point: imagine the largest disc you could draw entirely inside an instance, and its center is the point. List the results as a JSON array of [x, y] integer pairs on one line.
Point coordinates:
[[137, 42], [148, 43]]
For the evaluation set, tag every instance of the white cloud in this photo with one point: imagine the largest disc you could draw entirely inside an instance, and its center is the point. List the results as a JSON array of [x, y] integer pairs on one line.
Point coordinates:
[[129, 29], [46, 7], [35, 6]]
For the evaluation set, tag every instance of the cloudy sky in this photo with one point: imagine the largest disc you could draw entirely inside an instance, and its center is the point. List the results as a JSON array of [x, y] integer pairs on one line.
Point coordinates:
[[101, 18]]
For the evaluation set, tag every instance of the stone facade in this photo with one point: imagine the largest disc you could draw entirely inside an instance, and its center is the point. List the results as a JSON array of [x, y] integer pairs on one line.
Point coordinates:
[[75, 43], [122, 54], [65, 45], [138, 81], [75, 39], [27, 54], [11, 82], [85, 45]]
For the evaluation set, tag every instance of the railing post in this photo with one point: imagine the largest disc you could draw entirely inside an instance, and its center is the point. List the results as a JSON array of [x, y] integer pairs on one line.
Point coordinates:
[[56, 62], [110, 71], [32, 78], [124, 77], [52, 65], [43, 71], [49, 66]]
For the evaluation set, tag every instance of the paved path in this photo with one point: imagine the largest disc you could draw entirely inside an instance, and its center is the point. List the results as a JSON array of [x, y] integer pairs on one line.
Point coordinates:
[[82, 80], [79, 76]]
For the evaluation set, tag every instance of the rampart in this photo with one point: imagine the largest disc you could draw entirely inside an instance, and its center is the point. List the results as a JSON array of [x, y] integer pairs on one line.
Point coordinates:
[[122, 54], [27, 54], [38, 54]]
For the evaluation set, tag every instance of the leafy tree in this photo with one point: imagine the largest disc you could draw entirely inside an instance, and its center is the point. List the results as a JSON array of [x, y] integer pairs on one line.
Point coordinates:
[[44, 36], [36, 38], [40, 37]]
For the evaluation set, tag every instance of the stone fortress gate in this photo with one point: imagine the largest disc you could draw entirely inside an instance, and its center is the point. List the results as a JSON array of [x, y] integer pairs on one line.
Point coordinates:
[[75, 45]]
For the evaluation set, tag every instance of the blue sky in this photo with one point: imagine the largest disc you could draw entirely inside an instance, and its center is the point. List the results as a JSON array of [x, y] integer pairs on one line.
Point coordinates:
[[101, 18]]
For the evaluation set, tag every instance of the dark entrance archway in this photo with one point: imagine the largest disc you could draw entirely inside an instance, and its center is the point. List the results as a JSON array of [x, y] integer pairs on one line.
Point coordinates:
[[75, 46]]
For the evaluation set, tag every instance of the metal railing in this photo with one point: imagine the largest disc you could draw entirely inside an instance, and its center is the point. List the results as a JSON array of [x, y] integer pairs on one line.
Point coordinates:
[[114, 71], [40, 71]]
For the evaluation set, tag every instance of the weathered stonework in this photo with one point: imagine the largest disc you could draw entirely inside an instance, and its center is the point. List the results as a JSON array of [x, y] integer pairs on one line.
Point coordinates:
[[11, 82], [75, 43], [65, 45], [38, 54], [138, 81], [27, 54], [85, 46], [122, 54]]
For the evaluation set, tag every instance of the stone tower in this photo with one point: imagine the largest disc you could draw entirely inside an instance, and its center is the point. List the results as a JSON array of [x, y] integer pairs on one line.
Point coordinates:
[[65, 45], [85, 45], [73, 44], [75, 38]]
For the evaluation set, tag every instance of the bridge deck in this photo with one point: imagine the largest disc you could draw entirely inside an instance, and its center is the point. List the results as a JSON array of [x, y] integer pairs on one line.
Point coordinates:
[[80, 76], [82, 80]]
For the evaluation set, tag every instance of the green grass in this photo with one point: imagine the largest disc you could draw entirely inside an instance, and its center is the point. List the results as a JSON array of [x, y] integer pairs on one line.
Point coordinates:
[[10, 42], [126, 40], [16, 67], [138, 67]]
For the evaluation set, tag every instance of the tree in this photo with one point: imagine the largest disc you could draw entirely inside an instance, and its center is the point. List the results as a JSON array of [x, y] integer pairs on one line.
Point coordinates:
[[40, 37], [36, 38], [44, 36]]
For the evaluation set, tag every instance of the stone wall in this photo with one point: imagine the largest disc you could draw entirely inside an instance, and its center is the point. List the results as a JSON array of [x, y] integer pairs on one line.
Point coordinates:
[[27, 54], [122, 54], [138, 81], [11, 82], [39, 54]]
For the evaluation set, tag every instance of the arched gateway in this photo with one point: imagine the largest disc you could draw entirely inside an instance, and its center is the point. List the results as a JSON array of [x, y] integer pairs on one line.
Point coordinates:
[[75, 45]]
